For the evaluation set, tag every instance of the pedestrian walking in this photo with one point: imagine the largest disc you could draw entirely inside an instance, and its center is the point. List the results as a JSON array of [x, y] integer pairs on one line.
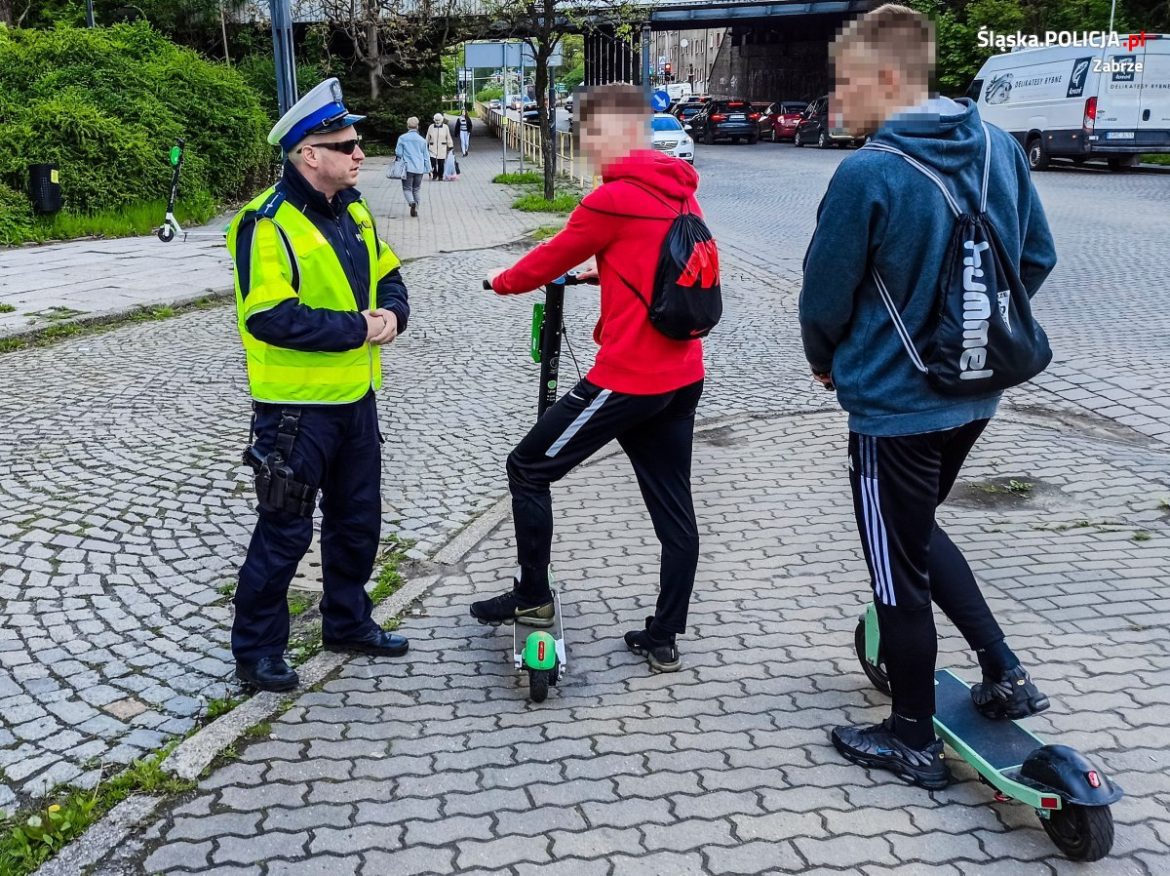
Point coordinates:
[[317, 294], [643, 389], [411, 149], [463, 127], [439, 143], [882, 242]]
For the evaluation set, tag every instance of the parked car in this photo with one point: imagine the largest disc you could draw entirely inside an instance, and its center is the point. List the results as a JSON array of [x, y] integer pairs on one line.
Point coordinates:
[[814, 127], [686, 110], [670, 136], [727, 119], [780, 118]]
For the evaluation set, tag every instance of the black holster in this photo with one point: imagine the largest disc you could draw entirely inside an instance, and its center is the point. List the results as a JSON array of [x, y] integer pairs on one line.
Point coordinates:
[[277, 488]]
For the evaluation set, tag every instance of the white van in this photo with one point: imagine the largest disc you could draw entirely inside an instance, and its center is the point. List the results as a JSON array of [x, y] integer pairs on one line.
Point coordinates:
[[1080, 102]]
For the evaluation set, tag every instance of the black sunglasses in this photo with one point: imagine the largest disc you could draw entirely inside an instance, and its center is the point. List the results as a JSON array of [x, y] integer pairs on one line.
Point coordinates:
[[345, 147]]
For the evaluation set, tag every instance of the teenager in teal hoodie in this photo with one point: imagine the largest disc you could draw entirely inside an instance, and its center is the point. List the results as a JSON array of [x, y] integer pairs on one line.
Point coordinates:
[[907, 442]]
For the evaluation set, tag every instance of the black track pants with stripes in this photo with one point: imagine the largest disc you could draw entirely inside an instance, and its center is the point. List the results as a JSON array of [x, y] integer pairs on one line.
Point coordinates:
[[655, 431], [898, 482]]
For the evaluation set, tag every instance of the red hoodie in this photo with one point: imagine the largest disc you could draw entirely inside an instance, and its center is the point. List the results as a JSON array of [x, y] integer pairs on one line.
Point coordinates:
[[623, 222]]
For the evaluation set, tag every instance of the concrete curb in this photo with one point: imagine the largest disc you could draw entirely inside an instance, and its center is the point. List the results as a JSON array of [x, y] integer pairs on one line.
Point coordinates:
[[96, 842], [117, 317]]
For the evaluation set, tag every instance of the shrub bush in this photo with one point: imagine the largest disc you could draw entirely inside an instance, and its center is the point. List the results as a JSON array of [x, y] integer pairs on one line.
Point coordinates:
[[106, 105]]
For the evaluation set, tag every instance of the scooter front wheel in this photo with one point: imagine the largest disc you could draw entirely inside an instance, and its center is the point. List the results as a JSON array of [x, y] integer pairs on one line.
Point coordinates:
[[876, 674], [1083, 833]]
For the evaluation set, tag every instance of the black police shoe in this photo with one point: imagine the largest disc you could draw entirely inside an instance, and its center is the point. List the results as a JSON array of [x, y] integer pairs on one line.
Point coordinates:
[[661, 654], [267, 673], [1012, 695], [878, 747], [377, 642], [508, 608]]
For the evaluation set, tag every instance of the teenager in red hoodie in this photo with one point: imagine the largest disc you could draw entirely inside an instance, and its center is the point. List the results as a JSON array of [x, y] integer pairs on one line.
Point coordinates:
[[644, 387]]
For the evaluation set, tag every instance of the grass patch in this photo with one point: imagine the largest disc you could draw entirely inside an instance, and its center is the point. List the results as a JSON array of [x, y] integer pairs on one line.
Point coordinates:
[[527, 178], [30, 837], [1156, 159], [219, 707], [390, 560], [537, 203], [130, 221], [299, 603], [227, 589], [305, 643], [1164, 505], [55, 333], [1141, 535], [259, 731], [544, 232], [7, 308]]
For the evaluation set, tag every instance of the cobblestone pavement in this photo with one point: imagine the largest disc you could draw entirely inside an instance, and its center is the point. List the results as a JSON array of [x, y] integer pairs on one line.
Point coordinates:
[[62, 282], [123, 513], [438, 764]]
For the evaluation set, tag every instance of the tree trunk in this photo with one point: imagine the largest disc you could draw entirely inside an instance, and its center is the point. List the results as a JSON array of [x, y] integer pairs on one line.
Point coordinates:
[[543, 51], [374, 57], [6, 12]]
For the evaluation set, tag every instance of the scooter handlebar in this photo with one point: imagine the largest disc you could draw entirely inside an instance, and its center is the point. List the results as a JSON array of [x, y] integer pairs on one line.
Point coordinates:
[[570, 279]]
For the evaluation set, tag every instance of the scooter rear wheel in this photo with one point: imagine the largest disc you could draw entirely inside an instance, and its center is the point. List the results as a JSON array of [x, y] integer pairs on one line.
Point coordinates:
[[1083, 833], [876, 674], [538, 681]]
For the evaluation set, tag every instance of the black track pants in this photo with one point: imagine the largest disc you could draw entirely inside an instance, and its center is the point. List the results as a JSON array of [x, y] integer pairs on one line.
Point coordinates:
[[655, 431], [898, 482]]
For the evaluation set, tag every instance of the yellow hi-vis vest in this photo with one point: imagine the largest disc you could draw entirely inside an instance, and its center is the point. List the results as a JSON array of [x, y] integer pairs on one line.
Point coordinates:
[[292, 259]]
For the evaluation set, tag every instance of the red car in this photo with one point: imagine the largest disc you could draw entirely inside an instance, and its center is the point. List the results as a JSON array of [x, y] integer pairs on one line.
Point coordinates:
[[782, 117]]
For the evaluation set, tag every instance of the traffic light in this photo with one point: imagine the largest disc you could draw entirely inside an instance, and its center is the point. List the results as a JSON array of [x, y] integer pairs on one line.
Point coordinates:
[[668, 68]]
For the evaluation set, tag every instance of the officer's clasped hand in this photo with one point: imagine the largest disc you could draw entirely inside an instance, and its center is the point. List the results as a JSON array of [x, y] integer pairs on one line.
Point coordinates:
[[381, 325]]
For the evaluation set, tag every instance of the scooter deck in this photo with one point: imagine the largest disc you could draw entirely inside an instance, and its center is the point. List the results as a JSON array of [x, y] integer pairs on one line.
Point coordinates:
[[1002, 744]]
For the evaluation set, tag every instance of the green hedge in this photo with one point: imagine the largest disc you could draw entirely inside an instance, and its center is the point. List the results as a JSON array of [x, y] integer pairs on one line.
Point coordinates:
[[106, 104]]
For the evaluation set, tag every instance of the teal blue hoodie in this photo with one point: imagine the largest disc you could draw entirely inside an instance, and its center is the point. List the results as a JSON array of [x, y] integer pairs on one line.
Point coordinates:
[[879, 210]]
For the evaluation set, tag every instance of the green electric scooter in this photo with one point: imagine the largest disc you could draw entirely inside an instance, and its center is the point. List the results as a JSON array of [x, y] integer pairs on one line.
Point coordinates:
[[170, 227], [543, 654], [1070, 795]]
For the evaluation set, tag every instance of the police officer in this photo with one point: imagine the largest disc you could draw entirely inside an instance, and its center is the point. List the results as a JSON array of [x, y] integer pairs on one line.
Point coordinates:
[[317, 294]]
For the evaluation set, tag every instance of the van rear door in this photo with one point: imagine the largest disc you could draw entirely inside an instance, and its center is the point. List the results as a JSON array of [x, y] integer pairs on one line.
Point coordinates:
[[1154, 109], [1118, 96]]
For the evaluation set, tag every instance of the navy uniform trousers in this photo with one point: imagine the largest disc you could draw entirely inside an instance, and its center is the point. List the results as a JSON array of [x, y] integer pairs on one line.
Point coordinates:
[[337, 448]]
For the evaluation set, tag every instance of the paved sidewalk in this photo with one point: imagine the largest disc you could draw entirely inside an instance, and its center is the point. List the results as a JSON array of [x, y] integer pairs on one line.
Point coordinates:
[[86, 279], [437, 764]]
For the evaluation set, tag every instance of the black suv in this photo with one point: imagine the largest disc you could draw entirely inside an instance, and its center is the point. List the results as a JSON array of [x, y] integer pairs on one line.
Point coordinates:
[[814, 128], [727, 120]]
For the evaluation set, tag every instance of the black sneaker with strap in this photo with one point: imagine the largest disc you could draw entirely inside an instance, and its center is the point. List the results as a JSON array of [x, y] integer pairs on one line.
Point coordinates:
[[1012, 695], [660, 652], [880, 748]]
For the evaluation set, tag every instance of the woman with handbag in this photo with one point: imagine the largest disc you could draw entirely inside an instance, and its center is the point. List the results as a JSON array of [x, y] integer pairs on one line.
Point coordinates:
[[440, 143], [463, 126], [411, 163]]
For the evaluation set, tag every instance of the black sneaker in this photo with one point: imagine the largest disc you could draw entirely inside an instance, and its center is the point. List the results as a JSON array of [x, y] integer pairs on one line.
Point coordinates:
[[507, 608], [662, 654], [878, 747], [1012, 695]]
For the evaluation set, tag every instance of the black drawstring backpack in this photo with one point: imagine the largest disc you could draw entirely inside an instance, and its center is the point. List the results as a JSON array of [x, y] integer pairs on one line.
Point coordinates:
[[984, 337], [686, 302]]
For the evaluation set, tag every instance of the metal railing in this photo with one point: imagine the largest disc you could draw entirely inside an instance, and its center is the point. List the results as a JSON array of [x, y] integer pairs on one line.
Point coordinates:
[[524, 139]]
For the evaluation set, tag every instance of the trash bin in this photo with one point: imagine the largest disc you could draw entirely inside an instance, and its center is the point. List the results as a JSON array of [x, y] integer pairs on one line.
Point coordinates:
[[44, 187]]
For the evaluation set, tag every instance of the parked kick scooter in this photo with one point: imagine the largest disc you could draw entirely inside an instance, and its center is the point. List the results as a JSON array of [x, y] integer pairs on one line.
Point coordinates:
[[543, 655], [1070, 795], [170, 227]]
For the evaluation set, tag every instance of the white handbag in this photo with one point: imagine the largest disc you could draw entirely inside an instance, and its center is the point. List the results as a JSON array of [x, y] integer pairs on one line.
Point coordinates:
[[397, 169]]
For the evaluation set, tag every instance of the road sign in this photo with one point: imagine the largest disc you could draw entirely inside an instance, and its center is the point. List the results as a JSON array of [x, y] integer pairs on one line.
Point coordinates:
[[659, 101]]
